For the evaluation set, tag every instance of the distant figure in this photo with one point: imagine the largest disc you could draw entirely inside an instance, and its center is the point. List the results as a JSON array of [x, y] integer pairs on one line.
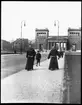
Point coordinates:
[[15, 51], [30, 55], [61, 53], [53, 55], [38, 58], [73, 47]]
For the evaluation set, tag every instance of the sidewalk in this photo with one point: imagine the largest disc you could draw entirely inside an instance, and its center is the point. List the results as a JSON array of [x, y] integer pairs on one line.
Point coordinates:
[[40, 85]]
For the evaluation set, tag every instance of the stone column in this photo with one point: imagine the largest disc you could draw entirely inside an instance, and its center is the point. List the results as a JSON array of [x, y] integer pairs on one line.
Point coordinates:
[[60, 45], [47, 45], [66, 46], [50, 45], [54, 43], [63, 45]]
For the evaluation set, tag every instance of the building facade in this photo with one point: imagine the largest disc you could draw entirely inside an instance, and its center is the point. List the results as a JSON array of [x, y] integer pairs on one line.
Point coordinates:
[[44, 41], [74, 38], [41, 38], [20, 44], [60, 40], [6, 46]]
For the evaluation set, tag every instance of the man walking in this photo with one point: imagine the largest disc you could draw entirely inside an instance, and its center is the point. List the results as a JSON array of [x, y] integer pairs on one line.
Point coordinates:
[[30, 58], [53, 55]]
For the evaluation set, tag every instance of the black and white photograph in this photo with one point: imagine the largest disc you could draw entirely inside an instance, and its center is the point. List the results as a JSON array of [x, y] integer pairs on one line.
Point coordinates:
[[41, 52]]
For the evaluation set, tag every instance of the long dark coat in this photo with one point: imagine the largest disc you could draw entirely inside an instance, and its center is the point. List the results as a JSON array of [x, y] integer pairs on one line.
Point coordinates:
[[30, 55], [53, 61]]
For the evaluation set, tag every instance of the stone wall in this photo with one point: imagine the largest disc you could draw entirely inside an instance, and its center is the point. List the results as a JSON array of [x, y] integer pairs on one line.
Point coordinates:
[[72, 73], [74, 37]]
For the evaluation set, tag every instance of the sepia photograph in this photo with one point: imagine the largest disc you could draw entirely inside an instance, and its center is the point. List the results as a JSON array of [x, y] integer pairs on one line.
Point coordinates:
[[41, 52]]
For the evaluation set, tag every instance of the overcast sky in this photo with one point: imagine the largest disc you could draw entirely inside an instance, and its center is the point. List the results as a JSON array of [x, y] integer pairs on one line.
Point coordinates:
[[38, 15]]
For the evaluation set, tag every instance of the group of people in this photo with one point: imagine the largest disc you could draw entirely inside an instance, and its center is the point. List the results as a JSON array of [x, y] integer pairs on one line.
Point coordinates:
[[31, 55]]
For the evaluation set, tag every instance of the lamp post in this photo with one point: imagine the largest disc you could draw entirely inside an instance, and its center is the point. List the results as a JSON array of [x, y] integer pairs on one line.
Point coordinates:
[[21, 35], [58, 28]]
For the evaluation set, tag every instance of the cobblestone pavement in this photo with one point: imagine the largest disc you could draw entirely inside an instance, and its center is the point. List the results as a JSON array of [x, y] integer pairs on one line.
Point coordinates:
[[38, 86]]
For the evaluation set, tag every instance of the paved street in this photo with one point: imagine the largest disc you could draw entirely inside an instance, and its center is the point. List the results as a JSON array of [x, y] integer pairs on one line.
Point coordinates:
[[13, 63], [40, 85]]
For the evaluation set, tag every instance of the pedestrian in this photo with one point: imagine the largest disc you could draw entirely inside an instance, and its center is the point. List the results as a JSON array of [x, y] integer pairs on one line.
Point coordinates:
[[15, 51], [61, 53], [53, 55], [38, 58], [30, 55]]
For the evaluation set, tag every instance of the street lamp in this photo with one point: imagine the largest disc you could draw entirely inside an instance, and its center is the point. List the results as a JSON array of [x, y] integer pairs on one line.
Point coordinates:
[[58, 28], [21, 34]]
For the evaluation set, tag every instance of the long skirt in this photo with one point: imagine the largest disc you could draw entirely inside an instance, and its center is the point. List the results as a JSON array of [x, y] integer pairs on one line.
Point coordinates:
[[29, 63], [53, 63]]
